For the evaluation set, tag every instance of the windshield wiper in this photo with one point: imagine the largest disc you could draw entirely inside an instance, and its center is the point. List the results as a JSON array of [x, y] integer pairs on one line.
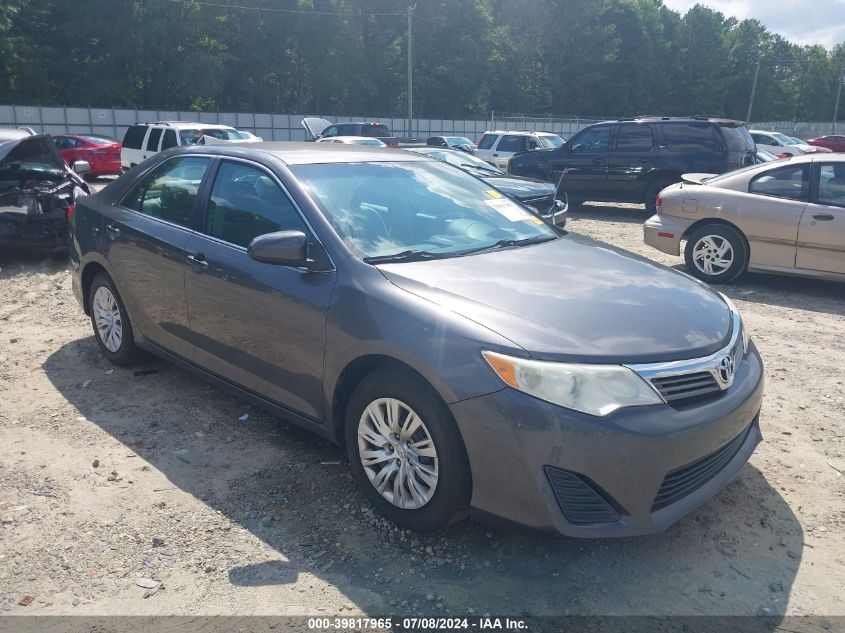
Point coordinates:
[[521, 242], [406, 256]]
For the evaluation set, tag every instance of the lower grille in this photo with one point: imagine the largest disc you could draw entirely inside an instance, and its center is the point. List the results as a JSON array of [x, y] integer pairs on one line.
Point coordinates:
[[686, 387], [685, 480], [543, 205], [579, 501]]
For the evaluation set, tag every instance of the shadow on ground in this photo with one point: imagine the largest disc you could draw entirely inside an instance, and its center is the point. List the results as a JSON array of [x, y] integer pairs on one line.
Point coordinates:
[[737, 555]]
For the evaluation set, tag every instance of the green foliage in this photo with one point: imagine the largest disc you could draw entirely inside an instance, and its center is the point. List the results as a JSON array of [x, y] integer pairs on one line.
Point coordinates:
[[591, 57]]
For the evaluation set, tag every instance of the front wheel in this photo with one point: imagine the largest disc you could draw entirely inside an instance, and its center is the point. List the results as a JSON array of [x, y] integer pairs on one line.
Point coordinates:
[[716, 253], [406, 452]]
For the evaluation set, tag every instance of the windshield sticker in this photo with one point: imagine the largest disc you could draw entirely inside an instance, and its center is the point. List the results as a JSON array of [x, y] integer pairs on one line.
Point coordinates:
[[508, 209], [493, 193]]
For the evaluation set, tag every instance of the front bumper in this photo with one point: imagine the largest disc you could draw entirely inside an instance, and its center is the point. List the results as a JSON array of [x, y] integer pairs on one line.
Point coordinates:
[[664, 233], [514, 441]]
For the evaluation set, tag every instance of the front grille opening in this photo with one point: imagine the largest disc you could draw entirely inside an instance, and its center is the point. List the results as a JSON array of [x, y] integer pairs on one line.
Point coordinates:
[[580, 500], [678, 389], [687, 479]]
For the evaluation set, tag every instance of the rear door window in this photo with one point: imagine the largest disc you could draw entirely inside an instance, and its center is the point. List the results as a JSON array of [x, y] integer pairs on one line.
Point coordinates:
[[634, 137], [245, 203], [511, 143], [169, 192], [375, 131], [784, 182], [691, 137], [134, 137], [738, 139], [487, 141], [154, 138], [832, 184]]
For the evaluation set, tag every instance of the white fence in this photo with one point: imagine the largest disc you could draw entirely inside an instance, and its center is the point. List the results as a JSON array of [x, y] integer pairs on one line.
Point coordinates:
[[286, 127]]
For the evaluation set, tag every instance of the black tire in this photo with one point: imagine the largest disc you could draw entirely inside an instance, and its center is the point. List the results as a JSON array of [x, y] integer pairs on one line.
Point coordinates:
[[450, 499], [652, 191], [126, 353], [720, 234]]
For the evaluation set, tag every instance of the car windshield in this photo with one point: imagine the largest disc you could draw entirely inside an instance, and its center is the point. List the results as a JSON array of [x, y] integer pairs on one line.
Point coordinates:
[[783, 138], [550, 141], [192, 137], [400, 211], [467, 162], [458, 140]]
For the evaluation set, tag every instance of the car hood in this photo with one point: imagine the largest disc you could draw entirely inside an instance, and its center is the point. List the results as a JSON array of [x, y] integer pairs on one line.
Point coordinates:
[[574, 299], [32, 149], [314, 125], [520, 187]]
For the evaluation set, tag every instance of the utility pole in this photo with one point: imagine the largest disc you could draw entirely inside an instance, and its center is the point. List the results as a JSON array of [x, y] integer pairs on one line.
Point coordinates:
[[410, 132], [836, 105], [753, 90]]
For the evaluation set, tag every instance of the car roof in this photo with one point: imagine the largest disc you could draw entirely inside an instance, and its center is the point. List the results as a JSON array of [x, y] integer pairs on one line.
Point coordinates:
[[328, 139], [190, 125], [306, 153]]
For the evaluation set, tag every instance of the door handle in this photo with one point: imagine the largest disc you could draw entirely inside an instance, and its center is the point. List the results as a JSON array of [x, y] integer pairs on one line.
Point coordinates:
[[197, 260], [113, 231], [824, 217]]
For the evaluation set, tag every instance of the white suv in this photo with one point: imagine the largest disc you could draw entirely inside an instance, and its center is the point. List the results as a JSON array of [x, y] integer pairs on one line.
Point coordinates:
[[498, 146], [145, 139]]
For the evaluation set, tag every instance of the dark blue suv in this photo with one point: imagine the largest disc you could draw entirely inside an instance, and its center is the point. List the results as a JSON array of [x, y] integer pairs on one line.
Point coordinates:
[[632, 160]]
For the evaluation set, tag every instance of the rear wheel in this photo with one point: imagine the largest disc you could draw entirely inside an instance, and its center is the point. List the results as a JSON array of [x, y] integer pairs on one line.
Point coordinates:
[[406, 453], [716, 253], [110, 321]]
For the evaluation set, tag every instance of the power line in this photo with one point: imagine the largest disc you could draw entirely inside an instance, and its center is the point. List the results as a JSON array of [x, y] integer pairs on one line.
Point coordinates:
[[287, 11]]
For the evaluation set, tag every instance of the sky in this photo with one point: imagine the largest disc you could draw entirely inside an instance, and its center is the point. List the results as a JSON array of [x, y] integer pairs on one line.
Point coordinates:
[[800, 21]]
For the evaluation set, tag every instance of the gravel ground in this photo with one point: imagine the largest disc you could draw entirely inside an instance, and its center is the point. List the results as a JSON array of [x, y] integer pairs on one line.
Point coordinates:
[[110, 480]]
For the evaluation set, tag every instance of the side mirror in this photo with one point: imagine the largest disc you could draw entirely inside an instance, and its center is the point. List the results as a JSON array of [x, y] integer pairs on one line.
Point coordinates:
[[287, 248], [81, 167]]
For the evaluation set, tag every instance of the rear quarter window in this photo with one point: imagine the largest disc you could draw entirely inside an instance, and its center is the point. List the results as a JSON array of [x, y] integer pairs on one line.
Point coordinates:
[[487, 141], [738, 139], [691, 137], [134, 137]]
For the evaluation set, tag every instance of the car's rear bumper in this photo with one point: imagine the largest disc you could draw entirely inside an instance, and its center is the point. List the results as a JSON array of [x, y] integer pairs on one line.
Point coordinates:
[[548, 467], [664, 233]]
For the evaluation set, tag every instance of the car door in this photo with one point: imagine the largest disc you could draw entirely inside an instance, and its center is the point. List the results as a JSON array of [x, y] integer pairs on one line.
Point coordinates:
[[632, 159], [258, 325], [821, 234], [582, 164], [145, 236], [771, 212], [508, 145]]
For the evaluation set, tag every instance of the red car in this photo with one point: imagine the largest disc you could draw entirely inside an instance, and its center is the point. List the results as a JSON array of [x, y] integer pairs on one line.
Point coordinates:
[[101, 152], [835, 142]]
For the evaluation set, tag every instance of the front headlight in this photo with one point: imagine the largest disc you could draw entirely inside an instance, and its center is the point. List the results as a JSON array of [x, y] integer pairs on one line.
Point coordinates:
[[594, 389], [737, 316]]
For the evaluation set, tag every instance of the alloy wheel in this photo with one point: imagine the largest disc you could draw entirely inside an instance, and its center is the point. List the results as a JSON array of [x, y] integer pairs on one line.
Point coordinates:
[[398, 453], [713, 254]]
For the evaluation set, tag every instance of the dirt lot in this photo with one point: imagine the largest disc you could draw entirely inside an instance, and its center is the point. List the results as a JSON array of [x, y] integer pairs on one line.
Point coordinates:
[[107, 477]]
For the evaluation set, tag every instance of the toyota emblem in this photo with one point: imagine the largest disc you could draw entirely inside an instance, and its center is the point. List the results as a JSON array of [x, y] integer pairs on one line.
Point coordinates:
[[726, 369]]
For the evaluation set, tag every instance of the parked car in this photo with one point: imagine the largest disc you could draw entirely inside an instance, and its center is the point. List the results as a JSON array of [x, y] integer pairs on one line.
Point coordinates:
[[807, 148], [833, 142], [463, 351], [537, 195], [782, 217], [631, 160], [147, 139], [498, 146], [319, 128], [452, 142], [100, 152], [776, 143], [38, 191], [354, 140]]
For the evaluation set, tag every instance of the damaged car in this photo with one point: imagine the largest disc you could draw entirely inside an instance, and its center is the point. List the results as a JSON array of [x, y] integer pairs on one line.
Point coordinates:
[[38, 191]]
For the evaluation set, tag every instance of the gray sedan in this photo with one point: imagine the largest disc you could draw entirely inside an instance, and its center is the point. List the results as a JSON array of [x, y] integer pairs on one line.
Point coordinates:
[[466, 353]]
